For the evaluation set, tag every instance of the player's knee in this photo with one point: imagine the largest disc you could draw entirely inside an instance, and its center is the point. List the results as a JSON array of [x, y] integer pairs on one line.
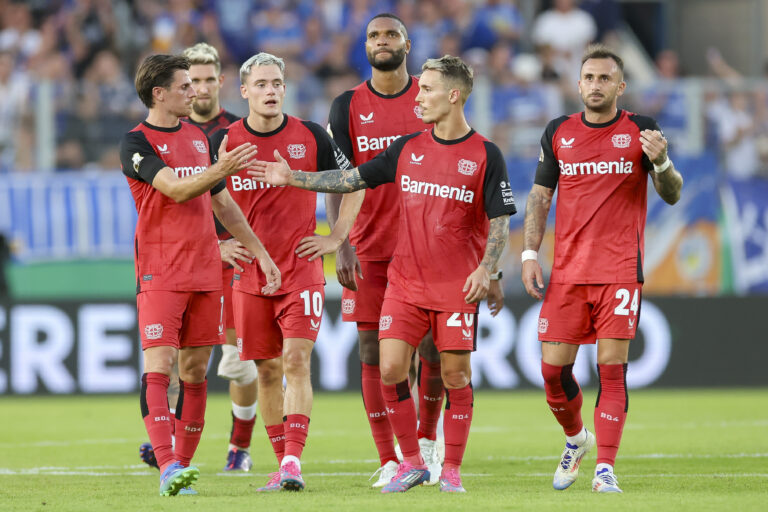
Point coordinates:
[[369, 347], [428, 351], [232, 368], [392, 373], [456, 379], [295, 364], [270, 372]]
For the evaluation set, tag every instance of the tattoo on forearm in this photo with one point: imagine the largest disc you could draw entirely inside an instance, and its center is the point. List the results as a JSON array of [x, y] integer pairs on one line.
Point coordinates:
[[668, 184], [497, 238], [341, 181], [535, 223]]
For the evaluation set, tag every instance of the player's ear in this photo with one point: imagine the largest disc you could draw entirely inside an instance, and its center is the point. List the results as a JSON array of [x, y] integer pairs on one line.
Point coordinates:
[[407, 46], [622, 87], [243, 92]]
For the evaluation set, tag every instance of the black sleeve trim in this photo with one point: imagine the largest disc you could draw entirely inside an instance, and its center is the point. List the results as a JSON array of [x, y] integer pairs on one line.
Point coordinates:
[[496, 188], [548, 170], [338, 122], [329, 156], [214, 142], [138, 159], [383, 167], [645, 123], [220, 186]]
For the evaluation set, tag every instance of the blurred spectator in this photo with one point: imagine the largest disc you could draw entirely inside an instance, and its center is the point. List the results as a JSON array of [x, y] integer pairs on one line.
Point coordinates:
[[425, 34], [567, 30], [18, 36], [278, 30], [5, 257], [664, 99], [737, 133], [608, 17], [494, 22], [14, 90], [236, 19]]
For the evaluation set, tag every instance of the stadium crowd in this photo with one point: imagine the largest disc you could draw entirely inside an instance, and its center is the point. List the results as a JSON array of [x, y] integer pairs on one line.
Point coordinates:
[[81, 54]]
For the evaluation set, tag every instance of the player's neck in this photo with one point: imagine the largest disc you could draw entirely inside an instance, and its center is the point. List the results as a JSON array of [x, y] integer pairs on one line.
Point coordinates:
[[390, 82], [162, 119], [452, 127], [600, 117], [265, 124], [194, 116]]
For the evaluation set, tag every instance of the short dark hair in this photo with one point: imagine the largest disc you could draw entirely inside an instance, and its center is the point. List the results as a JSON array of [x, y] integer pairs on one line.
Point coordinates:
[[455, 72], [157, 71], [392, 16], [601, 51]]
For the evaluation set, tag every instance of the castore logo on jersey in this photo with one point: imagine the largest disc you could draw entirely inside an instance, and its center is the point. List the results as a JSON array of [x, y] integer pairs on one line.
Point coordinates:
[[162, 149], [416, 160], [567, 143], [366, 119]]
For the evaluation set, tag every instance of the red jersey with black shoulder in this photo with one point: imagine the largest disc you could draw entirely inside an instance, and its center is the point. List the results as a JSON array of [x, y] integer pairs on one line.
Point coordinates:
[[364, 123], [448, 189], [175, 243], [281, 216], [601, 174]]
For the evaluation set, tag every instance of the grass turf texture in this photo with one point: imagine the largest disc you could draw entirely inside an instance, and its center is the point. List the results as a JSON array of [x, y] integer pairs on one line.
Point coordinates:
[[682, 450]]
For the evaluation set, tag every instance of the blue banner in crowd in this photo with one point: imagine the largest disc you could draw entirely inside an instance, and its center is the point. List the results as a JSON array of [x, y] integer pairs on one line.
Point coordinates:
[[746, 211]]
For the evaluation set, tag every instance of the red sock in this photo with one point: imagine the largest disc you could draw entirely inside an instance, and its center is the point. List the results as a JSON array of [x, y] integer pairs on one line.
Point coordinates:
[[190, 419], [242, 431], [376, 410], [277, 438], [458, 418], [157, 417], [296, 427], [610, 410], [430, 398], [563, 396], [402, 416]]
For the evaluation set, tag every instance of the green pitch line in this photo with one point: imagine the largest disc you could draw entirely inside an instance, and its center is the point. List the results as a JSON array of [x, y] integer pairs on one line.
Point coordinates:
[[682, 450]]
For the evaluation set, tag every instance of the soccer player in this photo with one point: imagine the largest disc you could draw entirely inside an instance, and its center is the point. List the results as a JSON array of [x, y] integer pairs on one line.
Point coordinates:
[[178, 271], [600, 160], [363, 122], [279, 332], [450, 182], [207, 114]]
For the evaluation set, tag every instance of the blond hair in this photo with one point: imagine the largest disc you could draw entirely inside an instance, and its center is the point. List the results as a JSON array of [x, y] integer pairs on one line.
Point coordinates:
[[203, 53], [455, 72]]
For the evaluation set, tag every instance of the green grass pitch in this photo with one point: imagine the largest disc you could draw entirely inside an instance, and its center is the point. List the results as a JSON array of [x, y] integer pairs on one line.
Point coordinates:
[[682, 450]]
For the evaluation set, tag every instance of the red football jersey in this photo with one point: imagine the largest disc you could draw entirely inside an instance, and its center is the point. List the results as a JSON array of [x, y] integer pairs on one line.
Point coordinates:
[[448, 189], [601, 174], [364, 123], [175, 243], [281, 216]]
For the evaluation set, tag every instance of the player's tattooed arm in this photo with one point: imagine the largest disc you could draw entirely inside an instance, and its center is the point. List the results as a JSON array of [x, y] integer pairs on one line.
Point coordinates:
[[497, 238], [536, 212], [341, 181], [668, 184]]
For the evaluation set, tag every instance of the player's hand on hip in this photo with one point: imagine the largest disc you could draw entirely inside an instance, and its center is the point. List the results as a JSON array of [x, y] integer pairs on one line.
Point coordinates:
[[495, 297], [276, 173], [272, 274], [477, 284], [232, 250], [533, 280], [348, 267], [316, 246], [654, 146], [238, 159]]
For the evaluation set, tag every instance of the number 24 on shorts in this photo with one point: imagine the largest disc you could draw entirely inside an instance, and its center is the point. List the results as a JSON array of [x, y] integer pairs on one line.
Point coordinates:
[[623, 295]]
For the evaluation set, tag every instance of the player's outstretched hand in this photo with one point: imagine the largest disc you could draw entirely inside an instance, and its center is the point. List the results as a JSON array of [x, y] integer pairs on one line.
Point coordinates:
[[276, 173], [232, 250], [654, 146], [495, 297], [316, 246], [273, 275], [477, 284], [238, 159], [533, 280], [348, 267]]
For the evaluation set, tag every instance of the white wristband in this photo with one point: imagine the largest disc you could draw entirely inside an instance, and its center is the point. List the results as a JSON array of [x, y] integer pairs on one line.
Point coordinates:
[[529, 255], [663, 167]]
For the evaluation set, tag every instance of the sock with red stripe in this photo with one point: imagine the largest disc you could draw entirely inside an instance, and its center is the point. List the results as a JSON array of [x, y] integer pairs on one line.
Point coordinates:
[[157, 417], [296, 427], [563, 396], [243, 420], [610, 410], [190, 419], [376, 410], [402, 416], [276, 435], [458, 418], [431, 393]]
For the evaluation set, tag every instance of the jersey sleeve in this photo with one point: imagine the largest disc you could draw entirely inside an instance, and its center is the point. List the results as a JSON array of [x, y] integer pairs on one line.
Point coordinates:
[[338, 124], [548, 170], [496, 188], [137, 158], [214, 142], [382, 168], [329, 156], [646, 123]]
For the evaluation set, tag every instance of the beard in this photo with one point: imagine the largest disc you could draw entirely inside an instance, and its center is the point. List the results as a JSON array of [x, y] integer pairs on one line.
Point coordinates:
[[202, 109], [398, 56], [602, 104]]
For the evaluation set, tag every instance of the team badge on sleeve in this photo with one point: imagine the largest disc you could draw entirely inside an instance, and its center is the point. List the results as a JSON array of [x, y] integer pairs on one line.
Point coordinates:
[[136, 159], [467, 167], [621, 140], [297, 151]]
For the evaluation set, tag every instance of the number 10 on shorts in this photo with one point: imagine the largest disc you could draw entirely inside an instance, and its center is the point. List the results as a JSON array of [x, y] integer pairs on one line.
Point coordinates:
[[316, 303]]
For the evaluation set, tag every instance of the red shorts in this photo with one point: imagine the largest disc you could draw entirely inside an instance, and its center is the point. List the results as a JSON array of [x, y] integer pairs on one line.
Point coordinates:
[[262, 322], [583, 313], [451, 331], [180, 319], [364, 305], [226, 282]]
